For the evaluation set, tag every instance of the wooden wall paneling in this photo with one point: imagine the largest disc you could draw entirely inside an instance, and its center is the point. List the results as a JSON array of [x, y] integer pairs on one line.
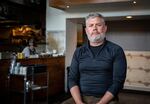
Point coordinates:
[[138, 70], [62, 4]]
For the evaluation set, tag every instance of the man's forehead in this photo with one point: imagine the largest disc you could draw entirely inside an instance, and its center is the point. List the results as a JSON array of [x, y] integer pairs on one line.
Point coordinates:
[[95, 19]]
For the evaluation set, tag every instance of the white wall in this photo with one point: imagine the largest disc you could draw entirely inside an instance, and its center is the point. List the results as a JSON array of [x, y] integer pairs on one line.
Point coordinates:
[[70, 45], [55, 19]]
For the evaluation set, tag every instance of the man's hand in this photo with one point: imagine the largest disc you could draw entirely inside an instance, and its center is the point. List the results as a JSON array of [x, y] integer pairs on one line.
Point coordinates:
[[106, 98], [75, 92]]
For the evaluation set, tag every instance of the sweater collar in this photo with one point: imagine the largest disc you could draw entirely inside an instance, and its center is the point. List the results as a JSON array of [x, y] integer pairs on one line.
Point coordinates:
[[87, 46]]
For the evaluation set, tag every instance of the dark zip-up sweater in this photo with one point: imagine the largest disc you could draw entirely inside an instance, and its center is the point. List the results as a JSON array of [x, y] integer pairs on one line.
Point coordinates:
[[96, 74]]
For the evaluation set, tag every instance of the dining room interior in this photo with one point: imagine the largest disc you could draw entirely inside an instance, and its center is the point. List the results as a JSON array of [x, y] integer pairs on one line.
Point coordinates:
[[58, 28]]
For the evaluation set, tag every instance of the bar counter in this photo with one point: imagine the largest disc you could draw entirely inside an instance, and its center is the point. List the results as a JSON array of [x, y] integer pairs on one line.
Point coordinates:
[[55, 67]]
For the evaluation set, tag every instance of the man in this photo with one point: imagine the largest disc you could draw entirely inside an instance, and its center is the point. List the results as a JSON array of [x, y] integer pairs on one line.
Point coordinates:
[[98, 69], [30, 49]]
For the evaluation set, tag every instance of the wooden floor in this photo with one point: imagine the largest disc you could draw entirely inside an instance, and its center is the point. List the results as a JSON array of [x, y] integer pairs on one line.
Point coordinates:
[[134, 97], [125, 97]]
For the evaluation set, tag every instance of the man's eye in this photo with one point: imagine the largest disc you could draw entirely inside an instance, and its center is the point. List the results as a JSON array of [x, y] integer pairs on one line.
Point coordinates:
[[90, 25], [99, 24]]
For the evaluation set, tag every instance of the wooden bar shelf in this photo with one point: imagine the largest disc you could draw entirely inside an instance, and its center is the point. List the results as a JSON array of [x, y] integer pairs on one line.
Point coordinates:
[[55, 69]]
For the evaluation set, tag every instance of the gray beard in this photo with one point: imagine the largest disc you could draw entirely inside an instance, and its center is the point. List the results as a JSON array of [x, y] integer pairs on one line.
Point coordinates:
[[98, 38]]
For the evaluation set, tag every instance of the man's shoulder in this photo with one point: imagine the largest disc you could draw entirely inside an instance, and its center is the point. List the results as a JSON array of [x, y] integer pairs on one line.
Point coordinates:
[[26, 48], [81, 50], [113, 45], [82, 47]]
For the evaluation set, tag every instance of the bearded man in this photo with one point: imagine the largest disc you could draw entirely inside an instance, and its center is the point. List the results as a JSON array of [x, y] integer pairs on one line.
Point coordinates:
[[98, 68]]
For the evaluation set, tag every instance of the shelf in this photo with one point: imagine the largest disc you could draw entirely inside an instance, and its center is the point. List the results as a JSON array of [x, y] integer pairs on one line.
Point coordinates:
[[21, 37], [36, 79], [37, 87]]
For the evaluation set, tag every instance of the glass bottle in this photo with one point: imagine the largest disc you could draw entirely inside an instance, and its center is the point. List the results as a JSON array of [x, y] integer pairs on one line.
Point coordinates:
[[13, 63]]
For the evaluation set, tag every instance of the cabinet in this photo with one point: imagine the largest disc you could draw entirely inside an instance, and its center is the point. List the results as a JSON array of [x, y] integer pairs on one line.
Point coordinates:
[[31, 85], [56, 72]]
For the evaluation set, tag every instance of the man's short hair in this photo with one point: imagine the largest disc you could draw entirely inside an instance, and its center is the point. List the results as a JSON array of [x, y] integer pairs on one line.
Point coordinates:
[[31, 42], [93, 15]]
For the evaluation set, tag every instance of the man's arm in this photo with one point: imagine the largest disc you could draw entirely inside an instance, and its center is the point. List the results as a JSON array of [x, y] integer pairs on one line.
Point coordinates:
[[75, 92], [73, 79], [119, 75], [26, 52], [106, 98]]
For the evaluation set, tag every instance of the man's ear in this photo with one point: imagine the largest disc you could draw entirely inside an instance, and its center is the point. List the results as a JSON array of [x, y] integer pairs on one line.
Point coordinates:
[[105, 29]]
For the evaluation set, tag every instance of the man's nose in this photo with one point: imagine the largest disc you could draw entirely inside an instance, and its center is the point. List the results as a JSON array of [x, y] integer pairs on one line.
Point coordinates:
[[94, 27]]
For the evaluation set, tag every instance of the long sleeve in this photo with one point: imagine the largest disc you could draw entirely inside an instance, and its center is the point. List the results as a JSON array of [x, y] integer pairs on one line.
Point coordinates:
[[74, 71], [119, 72], [26, 51]]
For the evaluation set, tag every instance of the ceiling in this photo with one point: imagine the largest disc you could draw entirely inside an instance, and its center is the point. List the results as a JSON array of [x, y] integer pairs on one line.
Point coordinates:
[[13, 12], [72, 5], [63, 4], [121, 7], [111, 6]]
